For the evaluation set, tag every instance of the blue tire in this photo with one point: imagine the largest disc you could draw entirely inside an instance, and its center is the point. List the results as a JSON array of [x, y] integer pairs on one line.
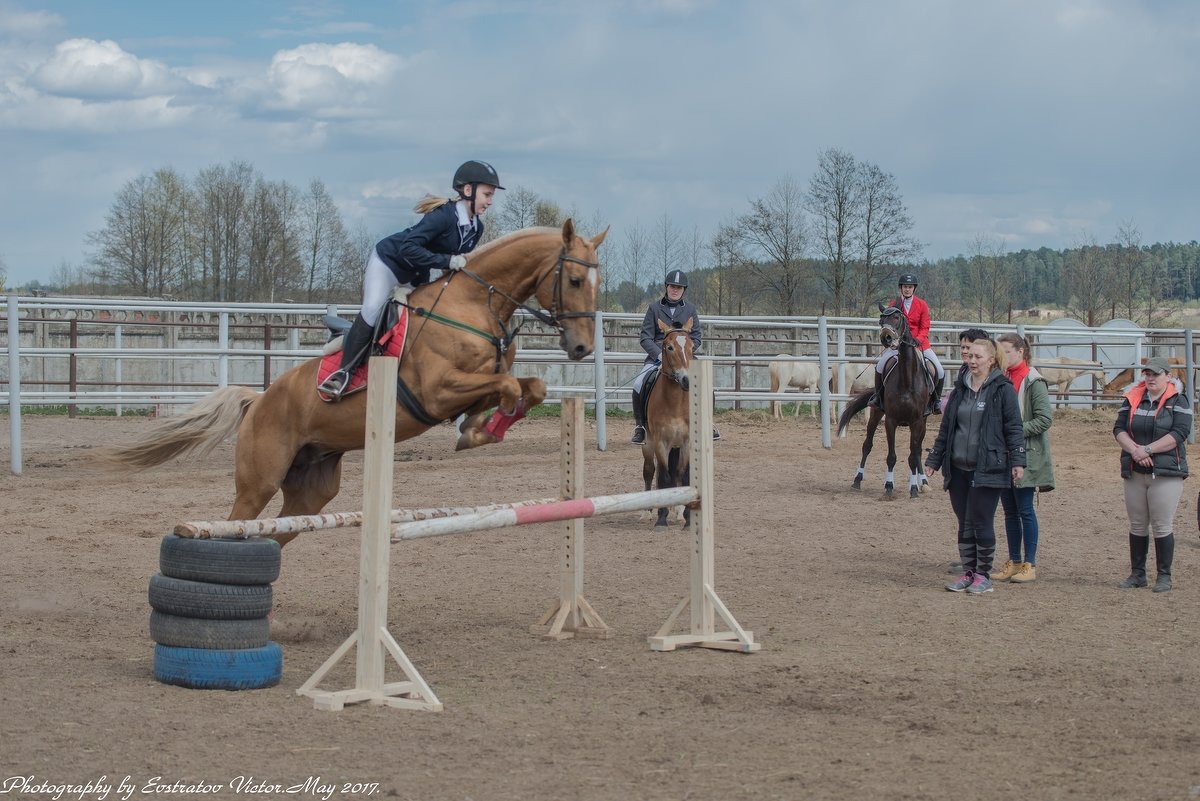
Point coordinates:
[[219, 669]]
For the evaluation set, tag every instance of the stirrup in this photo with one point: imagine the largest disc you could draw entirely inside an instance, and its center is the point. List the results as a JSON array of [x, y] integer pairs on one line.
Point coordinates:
[[335, 383]]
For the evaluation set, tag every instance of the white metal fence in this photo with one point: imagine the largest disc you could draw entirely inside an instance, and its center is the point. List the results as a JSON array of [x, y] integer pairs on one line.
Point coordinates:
[[155, 354]]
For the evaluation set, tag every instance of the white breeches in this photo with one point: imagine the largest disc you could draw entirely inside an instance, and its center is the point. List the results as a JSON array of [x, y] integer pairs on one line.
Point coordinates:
[[378, 283], [927, 353]]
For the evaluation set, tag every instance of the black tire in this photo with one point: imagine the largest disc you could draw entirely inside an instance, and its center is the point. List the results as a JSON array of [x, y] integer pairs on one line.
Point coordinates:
[[194, 632], [219, 669], [207, 600], [250, 561]]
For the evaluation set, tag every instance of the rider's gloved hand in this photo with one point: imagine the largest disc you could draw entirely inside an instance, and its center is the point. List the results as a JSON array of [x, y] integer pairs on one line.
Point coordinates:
[[457, 263]]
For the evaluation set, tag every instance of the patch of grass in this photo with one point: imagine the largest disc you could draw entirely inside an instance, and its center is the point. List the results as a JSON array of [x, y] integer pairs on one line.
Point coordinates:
[[83, 411]]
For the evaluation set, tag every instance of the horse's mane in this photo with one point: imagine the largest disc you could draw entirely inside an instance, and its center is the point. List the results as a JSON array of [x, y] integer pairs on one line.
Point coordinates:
[[516, 236]]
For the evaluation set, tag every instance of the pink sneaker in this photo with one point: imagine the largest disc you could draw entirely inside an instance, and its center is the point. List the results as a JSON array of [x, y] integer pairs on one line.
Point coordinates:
[[961, 583], [980, 584]]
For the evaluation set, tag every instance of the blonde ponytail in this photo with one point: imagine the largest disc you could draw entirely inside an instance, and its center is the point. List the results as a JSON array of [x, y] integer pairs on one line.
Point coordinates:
[[429, 203]]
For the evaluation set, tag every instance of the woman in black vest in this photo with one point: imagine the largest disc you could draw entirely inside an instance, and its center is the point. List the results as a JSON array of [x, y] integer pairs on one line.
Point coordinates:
[[1151, 428]]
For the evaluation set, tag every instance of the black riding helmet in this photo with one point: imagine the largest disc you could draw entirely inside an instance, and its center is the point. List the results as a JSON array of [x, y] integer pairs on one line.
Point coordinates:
[[473, 173], [676, 278], [907, 278]]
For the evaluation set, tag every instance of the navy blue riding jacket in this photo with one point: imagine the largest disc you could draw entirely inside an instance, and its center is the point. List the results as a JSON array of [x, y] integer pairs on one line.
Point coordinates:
[[428, 245]]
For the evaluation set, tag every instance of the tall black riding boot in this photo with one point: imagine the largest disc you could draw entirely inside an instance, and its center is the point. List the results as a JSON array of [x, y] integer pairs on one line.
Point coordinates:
[[1164, 554], [639, 420], [877, 398], [355, 344], [935, 400], [1138, 548]]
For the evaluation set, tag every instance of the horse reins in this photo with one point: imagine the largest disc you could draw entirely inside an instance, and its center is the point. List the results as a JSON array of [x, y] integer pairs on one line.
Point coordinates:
[[503, 342]]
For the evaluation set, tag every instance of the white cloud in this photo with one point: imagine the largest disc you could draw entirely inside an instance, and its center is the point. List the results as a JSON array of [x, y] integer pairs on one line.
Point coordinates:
[[27, 24], [331, 80], [87, 69]]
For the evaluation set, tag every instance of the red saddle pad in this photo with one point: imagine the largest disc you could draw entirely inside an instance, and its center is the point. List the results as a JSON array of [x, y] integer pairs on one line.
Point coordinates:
[[392, 344]]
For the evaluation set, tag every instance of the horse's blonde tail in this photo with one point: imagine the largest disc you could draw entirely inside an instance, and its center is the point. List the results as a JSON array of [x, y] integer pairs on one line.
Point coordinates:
[[198, 430]]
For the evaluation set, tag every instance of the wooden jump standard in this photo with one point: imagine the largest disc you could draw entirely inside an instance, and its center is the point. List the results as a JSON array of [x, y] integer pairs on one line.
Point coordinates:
[[571, 615]]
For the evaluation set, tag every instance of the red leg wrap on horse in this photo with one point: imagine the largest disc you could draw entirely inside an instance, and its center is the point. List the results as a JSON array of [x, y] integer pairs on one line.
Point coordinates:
[[498, 425]]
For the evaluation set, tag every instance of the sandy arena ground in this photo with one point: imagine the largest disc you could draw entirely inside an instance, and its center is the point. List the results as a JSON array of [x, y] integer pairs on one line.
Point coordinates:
[[873, 682]]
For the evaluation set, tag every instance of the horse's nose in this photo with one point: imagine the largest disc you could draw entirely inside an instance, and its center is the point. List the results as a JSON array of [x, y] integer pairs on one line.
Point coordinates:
[[580, 351]]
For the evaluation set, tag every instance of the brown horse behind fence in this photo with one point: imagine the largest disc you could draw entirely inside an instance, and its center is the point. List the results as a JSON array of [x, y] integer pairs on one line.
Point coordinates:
[[456, 361], [666, 455]]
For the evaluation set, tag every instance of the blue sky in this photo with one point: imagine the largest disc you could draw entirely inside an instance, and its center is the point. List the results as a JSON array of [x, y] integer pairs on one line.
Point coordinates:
[[1030, 122]]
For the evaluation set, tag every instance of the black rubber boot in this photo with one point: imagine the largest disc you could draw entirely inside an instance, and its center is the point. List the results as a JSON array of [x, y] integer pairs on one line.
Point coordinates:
[[877, 398], [935, 400], [1138, 548], [355, 345], [639, 420], [1164, 554]]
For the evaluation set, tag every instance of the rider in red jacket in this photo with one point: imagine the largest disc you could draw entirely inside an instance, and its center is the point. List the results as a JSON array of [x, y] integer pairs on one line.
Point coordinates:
[[916, 313]]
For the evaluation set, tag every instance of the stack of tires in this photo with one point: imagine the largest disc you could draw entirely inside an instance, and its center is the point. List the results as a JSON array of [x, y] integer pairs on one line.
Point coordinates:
[[211, 603]]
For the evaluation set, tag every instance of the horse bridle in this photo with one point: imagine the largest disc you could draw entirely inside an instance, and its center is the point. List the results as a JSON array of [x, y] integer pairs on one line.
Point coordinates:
[[552, 319], [672, 375], [904, 335]]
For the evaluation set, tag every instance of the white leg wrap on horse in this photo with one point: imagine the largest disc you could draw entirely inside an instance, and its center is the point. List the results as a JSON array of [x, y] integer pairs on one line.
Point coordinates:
[[859, 473], [914, 480], [890, 478]]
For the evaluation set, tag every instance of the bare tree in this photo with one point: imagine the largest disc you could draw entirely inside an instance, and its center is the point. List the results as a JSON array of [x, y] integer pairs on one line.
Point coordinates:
[[273, 268], [989, 278], [884, 237], [835, 201], [775, 233], [1129, 270], [141, 246], [3, 273], [220, 196], [728, 260], [666, 246], [634, 260], [1086, 281], [517, 210], [321, 240]]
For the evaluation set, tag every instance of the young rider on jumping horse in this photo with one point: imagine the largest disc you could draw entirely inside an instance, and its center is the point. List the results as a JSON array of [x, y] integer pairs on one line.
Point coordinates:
[[916, 314], [438, 241]]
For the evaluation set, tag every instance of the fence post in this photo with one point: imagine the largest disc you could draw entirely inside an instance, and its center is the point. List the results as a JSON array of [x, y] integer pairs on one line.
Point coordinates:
[[14, 384], [1189, 382], [267, 333], [73, 373], [223, 347], [823, 354], [737, 369], [598, 381]]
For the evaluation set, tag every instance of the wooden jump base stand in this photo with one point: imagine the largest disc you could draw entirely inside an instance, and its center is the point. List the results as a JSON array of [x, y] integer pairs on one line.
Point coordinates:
[[571, 615]]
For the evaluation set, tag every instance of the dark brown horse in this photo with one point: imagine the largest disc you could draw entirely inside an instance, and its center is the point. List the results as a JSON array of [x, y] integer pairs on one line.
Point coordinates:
[[906, 389], [666, 453], [456, 361]]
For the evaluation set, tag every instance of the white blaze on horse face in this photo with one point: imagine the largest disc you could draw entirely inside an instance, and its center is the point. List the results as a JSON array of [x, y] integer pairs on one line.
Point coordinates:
[[593, 278]]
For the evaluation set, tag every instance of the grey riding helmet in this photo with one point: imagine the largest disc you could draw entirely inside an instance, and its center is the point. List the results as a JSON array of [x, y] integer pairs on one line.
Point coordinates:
[[676, 278]]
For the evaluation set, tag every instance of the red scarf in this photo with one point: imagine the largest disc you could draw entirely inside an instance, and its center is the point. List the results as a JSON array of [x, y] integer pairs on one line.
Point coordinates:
[[1017, 373]]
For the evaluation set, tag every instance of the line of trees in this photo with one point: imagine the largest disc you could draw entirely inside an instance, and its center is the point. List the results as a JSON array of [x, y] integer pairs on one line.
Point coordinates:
[[834, 245], [228, 235]]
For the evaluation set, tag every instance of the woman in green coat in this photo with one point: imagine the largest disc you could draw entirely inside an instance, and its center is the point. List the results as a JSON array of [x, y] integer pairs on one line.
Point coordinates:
[[1020, 517]]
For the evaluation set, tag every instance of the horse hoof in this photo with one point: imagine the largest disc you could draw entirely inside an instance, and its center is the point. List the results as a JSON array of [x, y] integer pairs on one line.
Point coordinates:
[[660, 524], [857, 485], [473, 438], [914, 493]]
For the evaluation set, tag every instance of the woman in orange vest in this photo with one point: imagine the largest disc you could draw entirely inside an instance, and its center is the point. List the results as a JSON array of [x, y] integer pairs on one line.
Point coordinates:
[[1151, 428]]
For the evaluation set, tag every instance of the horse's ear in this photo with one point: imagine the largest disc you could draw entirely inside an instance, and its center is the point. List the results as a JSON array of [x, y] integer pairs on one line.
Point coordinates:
[[686, 324], [881, 308], [598, 238], [662, 326], [568, 232]]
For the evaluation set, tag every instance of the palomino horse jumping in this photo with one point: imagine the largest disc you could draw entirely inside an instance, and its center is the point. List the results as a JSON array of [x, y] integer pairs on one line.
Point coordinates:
[[906, 389], [665, 453], [456, 360]]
